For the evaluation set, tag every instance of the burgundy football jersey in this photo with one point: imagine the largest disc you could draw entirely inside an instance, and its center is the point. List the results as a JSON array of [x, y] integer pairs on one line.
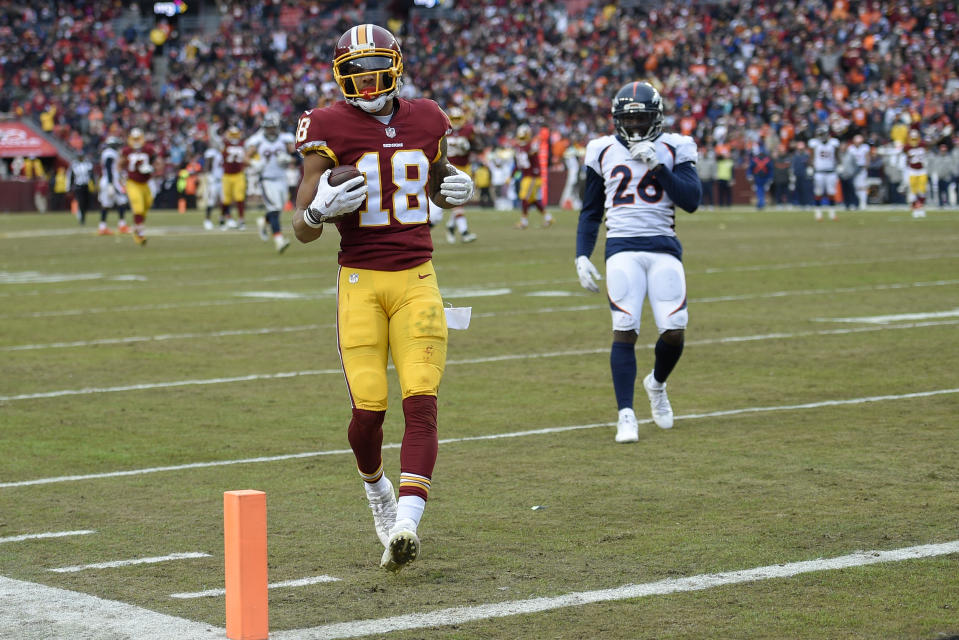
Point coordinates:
[[390, 232], [527, 158], [234, 157], [459, 145], [133, 158]]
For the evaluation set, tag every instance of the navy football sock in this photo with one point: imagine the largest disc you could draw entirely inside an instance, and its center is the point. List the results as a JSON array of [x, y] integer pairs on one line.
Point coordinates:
[[622, 363], [667, 355]]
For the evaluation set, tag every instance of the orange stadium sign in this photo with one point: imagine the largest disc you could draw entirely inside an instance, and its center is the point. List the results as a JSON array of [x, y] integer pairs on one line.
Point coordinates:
[[19, 140]]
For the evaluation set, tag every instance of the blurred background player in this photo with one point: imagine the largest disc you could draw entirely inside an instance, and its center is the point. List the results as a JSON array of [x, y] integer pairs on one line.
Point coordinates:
[[234, 179], [636, 178], [138, 161], [825, 160], [915, 173], [269, 152], [459, 146], [531, 183], [78, 183], [388, 300], [860, 150], [211, 182], [111, 192]]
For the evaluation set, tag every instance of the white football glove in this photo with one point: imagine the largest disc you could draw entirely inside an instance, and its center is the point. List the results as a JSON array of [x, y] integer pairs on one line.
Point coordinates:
[[588, 275], [145, 167], [457, 188], [644, 151], [331, 202]]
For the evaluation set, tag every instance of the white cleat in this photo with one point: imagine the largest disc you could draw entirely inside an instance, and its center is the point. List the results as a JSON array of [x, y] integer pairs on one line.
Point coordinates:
[[402, 548], [468, 237], [261, 228], [383, 506], [450, 236], [281, 243], [658, 402], [628, 429], [208, 225]]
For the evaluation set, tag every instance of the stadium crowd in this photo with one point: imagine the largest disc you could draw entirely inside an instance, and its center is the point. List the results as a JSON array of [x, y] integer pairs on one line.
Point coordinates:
[[736, 75]]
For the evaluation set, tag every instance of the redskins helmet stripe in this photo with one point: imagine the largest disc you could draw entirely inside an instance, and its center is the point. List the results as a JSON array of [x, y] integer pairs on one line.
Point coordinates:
[[362, 37]]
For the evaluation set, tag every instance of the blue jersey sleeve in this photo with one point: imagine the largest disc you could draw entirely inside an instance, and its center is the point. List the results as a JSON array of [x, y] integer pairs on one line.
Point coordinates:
[[681, 184], [591, 215]]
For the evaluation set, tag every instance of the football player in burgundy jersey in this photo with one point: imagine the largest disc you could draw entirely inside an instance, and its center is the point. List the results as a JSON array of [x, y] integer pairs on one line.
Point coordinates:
[[388, 301], [915, 173], [460, 143], [531, 182], [137, 162], [234, 178]]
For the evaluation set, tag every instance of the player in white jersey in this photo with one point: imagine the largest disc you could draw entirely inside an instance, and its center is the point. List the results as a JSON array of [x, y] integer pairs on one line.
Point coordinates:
[[860, 151], [111, 192], [637, 178], [212, 182], [825, 159], [272, 150]]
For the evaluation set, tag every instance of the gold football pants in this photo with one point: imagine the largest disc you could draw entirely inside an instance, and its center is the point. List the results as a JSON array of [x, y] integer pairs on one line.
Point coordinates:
[[395, 312]]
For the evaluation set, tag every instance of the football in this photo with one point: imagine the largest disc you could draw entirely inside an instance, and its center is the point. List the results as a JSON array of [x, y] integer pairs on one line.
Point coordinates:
[[342, 173]]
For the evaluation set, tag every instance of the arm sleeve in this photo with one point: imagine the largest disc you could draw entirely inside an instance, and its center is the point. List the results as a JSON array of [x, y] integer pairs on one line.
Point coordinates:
[[109, 171], [591, 215], [682, 185]]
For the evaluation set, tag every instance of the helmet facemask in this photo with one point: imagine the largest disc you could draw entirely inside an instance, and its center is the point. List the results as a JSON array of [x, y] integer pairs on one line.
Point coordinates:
[[353, 72], [638, 125]]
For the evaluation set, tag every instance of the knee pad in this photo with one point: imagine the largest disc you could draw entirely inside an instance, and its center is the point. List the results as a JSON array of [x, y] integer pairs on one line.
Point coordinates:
[[617, 285], [368, 387], [667, 285]]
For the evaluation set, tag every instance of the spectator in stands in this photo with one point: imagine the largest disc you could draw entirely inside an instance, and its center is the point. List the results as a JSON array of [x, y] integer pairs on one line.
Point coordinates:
[[724, 177], [782, 179], [802, 176], [941, 174], [706, 167], [760, 172], [879, 71]]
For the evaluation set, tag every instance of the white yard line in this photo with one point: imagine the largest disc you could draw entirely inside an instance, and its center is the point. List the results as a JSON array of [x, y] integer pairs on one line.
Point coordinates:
[[900, 317], [503, 358], [462, 615], [493, 436], [33, 612], [126, 563], [168, 336], [301, 582], [49, 534]]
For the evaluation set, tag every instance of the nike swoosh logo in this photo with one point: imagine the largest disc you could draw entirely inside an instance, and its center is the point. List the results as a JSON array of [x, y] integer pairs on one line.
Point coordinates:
[[329, 202], [422, 276]]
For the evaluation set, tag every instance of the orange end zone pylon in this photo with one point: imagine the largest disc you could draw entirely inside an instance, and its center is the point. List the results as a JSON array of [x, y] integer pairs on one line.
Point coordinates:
[[244, 551]]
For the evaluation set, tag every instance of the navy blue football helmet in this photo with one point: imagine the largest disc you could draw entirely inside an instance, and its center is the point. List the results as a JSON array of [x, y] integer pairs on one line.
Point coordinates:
[[638, 112]]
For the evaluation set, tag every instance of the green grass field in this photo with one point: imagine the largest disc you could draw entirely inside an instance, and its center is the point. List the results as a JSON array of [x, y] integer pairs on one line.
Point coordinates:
[[816, 403]]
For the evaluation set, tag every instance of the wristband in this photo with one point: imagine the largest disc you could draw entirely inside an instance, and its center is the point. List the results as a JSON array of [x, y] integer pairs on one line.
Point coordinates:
[[310, 221]]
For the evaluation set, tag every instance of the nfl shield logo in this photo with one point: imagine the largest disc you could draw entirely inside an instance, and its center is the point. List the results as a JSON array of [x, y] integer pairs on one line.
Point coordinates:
[[390, 132], [354, 278]]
